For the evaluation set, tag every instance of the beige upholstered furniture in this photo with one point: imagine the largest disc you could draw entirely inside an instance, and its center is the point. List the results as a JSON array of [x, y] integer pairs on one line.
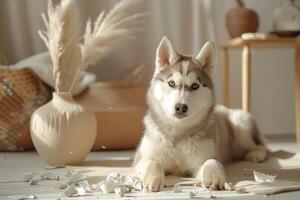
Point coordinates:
[[246, 45]]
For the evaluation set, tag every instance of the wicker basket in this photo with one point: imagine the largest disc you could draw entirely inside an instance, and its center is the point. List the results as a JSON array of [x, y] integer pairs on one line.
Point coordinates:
[[21, 92]]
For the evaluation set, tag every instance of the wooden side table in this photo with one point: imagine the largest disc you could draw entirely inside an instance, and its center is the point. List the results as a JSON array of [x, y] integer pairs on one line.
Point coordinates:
[[246, 45]]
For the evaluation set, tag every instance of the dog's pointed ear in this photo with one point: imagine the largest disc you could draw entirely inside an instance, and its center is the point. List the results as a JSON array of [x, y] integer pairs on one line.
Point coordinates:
[[165, 53], [206, 57]]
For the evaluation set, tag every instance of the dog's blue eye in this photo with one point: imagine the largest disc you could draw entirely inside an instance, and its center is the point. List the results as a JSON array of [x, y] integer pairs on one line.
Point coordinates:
[[195, 86], [171, 83]]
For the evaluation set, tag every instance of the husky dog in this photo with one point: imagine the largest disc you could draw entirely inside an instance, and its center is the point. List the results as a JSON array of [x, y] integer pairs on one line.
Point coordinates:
[[186, 133]]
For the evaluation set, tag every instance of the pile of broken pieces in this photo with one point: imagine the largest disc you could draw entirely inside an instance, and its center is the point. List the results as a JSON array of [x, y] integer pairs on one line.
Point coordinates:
[[76, 184]]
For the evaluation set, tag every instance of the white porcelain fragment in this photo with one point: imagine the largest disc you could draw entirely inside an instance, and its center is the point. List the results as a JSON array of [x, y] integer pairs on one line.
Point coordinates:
[[49, 176], [84, 183], [138, 185], [132, 181], [115, 176], [120, 191], [242, 190], [108, 186], [49, 167], [77, 177], [61, 186], [96, 187], [229, 186], [73, 191], [33, 182], [28, 176], [69, 172], [30, 197], [192, 195], [177, 188], [260, 177]]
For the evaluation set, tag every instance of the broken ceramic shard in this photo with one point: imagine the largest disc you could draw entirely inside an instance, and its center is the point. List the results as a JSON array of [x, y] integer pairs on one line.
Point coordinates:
[[96, 187], [34, 181], [115, 182], [28, 176], [84, 183], [30, 197], [133, 181], [61, 186], [115, 176], [138, 185], [212, 187], [69, 172], [120, 191], [49, 167], [108, 186], [48, 176], [177, 186], [73, 191], [177, 189], [192, 195], [242, 190], [260, 177], [77, 177], [126, 180], [229, 186]]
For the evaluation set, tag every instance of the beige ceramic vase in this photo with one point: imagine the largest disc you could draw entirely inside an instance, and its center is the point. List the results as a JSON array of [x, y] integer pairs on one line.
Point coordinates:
[[63, 132]]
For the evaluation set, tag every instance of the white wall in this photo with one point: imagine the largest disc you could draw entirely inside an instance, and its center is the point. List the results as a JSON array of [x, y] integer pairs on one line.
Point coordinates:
[[272, 72]]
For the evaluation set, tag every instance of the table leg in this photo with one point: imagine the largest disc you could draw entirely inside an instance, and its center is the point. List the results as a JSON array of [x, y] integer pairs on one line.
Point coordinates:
[[246, 76], [297, 94], [226, 78]]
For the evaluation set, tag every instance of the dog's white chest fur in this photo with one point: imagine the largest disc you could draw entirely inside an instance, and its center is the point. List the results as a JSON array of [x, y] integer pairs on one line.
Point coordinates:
[[181, 157]]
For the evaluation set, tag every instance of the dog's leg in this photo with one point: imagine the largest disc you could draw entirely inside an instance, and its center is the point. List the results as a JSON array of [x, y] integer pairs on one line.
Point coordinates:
[[151, 173], [248, 138], [211, 174], [259, 154]]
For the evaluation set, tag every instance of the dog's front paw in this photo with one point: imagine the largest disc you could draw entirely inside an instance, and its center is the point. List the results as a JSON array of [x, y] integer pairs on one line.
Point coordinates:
[[152, 175], [212, 174], [153, 182]]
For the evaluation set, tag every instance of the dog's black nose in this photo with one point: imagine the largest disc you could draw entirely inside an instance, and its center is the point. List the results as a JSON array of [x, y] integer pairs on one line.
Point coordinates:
[[181, 109]]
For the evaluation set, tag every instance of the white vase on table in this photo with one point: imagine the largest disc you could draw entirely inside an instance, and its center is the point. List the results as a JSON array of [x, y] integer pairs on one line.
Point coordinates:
[[63, 132], [286, 17]]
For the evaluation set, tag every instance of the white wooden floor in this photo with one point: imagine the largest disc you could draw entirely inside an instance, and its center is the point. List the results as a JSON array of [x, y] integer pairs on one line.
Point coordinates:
[[14, 165]]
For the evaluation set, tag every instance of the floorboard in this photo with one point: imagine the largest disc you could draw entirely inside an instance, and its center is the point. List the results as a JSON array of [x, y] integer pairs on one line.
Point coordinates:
[[13, 166]]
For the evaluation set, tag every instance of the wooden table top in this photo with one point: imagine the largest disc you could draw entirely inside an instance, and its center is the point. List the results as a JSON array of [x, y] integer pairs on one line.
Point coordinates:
[[269, 41]]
